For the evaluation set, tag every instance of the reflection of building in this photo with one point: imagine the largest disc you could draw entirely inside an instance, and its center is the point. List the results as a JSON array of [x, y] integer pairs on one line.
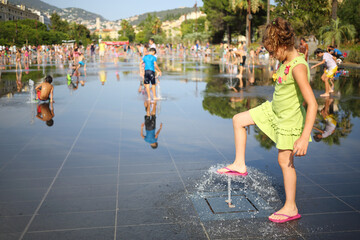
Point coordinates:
[[105, 33], [9, 12]]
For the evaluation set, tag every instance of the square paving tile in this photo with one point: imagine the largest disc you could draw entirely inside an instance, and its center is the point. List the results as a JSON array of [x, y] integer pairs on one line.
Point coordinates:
[[13, 224], [322, 205], [162, 231], [326, 223], [68, 205], [81, 234], [346, 189], [18, 208], [352, 201], [64, 221]]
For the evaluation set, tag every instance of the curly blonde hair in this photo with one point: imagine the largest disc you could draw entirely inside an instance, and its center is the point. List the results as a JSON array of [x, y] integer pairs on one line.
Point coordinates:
[[278, 33]]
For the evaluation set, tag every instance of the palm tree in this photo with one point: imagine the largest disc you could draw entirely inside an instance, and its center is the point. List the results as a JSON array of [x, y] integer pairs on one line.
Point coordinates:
[[337, 32], [334, 6], [124, 25], [252, 6], [156, 25]]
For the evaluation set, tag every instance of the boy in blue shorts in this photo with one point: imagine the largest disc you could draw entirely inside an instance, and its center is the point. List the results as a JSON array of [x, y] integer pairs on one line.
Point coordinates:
[[149, 76]]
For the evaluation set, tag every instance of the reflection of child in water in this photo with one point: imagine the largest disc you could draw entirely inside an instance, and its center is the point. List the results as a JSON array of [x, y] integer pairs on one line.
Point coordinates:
[[46, 114], [150, 125], [330, 122], [102, 75]]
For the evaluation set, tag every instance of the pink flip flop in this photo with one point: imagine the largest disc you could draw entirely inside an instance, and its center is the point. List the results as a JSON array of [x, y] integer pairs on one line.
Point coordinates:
[[289, 218], [232, 172]]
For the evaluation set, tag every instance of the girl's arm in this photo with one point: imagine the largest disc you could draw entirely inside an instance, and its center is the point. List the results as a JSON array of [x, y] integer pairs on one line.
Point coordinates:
[[320, 63], [300, 75], [318, 129]]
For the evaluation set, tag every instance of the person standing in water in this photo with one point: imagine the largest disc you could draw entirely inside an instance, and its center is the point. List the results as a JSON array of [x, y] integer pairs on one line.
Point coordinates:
[[330, 71], [284, 120], [149, 76]]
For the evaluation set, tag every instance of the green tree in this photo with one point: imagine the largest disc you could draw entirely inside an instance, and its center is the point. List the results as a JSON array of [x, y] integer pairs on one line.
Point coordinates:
[[337, 32], [226, 17], [223, 19], [57, 24], [127, 31], [306, 17], [150, 26], [193, 26], [253, 6], [349, 12], [334, 7], [140, 37], [28, 32]]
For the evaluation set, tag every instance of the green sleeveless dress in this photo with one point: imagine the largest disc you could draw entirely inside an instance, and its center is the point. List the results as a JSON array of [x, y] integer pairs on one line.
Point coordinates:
[[283, 119]]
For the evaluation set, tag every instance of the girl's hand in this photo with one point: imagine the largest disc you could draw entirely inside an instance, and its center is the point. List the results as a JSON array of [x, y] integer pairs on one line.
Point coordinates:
[[300, 147]]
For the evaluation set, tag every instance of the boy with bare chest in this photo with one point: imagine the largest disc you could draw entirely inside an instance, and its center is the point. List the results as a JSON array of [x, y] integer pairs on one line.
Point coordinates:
[[45, 91]]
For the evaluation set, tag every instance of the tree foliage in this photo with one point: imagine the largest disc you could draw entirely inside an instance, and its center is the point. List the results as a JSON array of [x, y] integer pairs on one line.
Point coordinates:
[[150, 28], [127, 31], [349, 12], [306, 17], [77, 32], [193, 26], [337, 32], [28, 31], [227, 17]]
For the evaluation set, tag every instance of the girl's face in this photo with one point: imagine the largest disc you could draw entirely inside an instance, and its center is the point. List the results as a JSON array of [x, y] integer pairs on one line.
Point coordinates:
[[279, 54]]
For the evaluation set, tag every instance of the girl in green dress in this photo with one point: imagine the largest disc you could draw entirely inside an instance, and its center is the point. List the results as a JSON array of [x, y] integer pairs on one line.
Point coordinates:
[[284, 119]]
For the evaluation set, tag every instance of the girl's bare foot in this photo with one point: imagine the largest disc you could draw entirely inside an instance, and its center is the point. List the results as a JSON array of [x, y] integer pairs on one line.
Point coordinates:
[[325, 95], [234, 168]]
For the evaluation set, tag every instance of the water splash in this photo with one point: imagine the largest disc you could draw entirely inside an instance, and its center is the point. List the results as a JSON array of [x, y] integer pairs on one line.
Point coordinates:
[[256, 182], [32, 92]]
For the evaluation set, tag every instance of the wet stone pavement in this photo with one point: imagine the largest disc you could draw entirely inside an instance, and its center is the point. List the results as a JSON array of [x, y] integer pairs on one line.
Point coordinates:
[[91, 175]]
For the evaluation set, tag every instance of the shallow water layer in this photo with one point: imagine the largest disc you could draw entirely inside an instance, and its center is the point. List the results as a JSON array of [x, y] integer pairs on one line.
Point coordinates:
[[91, 175]]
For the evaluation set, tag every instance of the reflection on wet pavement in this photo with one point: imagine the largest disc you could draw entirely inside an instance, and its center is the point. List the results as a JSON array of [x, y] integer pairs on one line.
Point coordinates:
[[113, 165]]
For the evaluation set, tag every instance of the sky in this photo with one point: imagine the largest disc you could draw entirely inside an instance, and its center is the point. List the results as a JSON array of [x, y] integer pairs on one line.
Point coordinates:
[[119, 9]]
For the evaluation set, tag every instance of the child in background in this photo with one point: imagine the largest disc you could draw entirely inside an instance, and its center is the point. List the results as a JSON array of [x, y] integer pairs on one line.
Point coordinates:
[[45, 91], [18, 59], [149, 76], [284, 120], [331, 68]]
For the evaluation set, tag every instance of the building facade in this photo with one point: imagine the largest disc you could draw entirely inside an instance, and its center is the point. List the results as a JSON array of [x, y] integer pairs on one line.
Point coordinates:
[[9, 12]]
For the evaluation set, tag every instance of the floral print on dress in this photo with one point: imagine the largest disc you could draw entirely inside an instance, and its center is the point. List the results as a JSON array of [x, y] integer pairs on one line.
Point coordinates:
[[282, 79]]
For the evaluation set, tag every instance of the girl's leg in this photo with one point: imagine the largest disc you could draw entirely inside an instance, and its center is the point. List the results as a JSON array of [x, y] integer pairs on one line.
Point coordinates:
[[286, 163], [327, 86], [240, 121], [332, 85]]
